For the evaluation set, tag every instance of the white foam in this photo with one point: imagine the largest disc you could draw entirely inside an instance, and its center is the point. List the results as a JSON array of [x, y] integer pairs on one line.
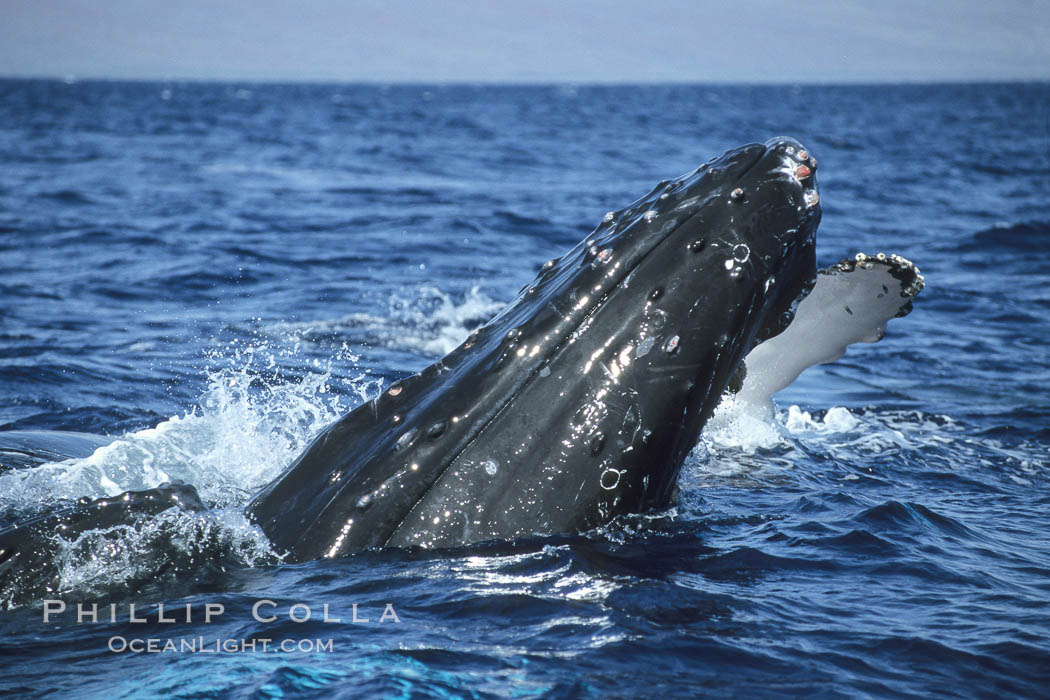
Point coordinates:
[[737, 433], [836, 420], [431, 323], [737, 442], [736, 425]]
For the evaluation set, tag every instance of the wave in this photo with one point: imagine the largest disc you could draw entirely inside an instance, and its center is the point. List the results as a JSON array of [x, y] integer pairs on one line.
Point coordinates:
[[70, 197], [1029, 236]]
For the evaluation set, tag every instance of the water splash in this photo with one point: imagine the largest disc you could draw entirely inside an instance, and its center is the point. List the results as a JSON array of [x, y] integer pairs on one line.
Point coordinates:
[[735, 425], [431, 323], [250, 423]]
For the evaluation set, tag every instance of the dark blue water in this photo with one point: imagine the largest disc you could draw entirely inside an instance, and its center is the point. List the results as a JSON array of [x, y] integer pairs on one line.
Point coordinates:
[[215, 272]]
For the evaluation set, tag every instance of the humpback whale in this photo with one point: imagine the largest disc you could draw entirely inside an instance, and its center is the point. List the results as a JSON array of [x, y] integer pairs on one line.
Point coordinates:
[[581, 399]]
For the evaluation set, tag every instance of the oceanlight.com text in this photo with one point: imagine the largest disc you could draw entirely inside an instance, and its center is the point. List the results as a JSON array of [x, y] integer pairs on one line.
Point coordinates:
[[201, 645]]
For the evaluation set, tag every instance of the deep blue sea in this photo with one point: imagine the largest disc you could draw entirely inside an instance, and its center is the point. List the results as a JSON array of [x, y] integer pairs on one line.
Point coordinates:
[[212, 273]]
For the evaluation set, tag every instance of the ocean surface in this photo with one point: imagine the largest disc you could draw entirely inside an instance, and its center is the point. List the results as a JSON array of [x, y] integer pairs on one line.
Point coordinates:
[[214, 272]]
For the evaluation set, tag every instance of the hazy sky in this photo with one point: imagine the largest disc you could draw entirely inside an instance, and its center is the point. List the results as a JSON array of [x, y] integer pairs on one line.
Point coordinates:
[[524, 40]]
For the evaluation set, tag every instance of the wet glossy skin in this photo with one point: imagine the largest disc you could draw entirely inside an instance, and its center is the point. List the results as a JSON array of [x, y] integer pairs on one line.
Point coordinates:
[[580, 400], [30, 552]]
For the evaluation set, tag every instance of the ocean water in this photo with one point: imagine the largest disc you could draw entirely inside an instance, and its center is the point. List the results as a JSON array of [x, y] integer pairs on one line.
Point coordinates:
[[214, 272]]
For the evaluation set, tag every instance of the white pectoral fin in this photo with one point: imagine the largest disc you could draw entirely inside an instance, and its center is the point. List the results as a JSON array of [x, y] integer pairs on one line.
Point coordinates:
[[851, 303]]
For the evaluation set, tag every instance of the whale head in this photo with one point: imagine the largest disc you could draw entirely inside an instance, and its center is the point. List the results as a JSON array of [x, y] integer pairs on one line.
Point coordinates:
[[580, 400]]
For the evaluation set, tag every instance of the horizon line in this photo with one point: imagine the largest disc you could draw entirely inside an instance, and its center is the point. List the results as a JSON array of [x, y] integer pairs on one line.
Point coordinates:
[[73, 78]]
